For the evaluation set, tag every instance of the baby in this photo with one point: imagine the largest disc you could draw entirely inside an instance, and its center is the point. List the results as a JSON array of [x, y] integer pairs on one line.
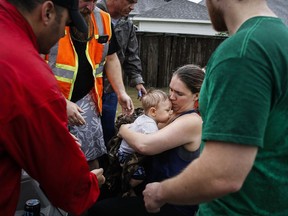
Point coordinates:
[[157, 109]]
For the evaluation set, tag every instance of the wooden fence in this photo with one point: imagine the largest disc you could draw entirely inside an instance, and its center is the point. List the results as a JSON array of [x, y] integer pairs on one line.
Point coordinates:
[[161, 54]]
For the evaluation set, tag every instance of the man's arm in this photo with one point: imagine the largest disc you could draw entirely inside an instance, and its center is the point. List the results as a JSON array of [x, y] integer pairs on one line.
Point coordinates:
[[132, 64], [114, 75], [221, 169]]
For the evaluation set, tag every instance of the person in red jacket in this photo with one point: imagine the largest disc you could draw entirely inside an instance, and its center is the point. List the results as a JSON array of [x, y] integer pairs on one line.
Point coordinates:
[[33, 118]]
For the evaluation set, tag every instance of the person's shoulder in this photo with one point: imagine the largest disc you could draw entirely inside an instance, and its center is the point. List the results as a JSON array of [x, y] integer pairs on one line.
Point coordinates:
[[142, 119], [125, 21], [101, 11], [192, 114], [189, 119], [101, 5]]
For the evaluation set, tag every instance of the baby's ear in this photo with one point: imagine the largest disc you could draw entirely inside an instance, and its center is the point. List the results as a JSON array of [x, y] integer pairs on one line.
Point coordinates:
[[152, 111]]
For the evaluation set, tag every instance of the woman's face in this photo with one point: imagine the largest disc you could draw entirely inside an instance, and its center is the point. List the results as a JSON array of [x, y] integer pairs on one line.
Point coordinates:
[[181, 97]]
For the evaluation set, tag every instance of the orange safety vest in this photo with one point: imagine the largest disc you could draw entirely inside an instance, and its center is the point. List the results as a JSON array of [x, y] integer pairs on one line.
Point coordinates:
[[63, 58]]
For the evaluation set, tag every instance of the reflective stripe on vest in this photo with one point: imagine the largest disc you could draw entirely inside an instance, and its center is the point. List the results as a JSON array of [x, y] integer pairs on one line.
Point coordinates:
[[63, 58]]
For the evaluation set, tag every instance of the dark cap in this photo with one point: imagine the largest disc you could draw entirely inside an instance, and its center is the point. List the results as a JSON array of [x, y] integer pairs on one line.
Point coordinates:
[[77, 19]]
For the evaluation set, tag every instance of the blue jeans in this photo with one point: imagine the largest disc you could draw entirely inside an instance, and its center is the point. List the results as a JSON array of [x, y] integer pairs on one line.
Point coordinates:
[[110, 102]]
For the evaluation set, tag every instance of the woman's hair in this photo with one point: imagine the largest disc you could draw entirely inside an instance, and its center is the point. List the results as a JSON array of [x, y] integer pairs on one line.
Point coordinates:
[[192, 76], [152, 98]]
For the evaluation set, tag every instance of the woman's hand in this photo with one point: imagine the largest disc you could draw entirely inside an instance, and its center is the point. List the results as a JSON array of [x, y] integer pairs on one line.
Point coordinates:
[[122, 129]]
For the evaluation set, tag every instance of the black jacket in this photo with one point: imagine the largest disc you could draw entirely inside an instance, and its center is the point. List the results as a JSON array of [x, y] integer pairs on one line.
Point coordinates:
[[129, 50]]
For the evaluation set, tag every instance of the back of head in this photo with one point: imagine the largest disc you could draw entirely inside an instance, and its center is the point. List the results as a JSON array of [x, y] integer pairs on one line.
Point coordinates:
[[152, 98], [28, 6], [192, 75]]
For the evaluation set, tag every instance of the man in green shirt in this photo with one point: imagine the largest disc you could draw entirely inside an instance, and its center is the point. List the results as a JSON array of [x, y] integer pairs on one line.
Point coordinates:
[[242, 169]]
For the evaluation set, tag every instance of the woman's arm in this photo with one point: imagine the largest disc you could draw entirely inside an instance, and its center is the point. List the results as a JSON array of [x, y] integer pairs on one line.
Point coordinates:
[[185, 130]]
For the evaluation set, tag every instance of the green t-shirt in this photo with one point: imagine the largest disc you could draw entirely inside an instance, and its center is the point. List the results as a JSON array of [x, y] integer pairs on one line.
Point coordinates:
[[244, 100]]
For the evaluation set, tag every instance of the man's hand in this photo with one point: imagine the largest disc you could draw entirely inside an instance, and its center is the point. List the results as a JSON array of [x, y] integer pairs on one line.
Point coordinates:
[[74, 116], [76, 139], [100, 176], [152, 200], [126, 103], [141, 91]]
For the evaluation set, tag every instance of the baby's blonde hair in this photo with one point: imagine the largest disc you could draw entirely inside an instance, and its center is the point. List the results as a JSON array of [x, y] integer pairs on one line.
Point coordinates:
[[152, 98]]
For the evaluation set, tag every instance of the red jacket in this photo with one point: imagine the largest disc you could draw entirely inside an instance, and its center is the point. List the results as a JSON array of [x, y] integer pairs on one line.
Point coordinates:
[[33, 125]]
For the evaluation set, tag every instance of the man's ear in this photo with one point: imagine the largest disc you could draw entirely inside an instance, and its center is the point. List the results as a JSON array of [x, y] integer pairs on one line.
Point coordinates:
[[48, 10]]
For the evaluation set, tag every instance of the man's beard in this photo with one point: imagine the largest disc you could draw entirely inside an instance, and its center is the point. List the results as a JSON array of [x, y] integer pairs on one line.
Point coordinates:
[[83, 37], [217, 18]]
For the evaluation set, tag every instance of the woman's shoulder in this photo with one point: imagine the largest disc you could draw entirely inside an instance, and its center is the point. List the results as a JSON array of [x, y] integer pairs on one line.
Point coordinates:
[[189, 117], [188, 125]]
